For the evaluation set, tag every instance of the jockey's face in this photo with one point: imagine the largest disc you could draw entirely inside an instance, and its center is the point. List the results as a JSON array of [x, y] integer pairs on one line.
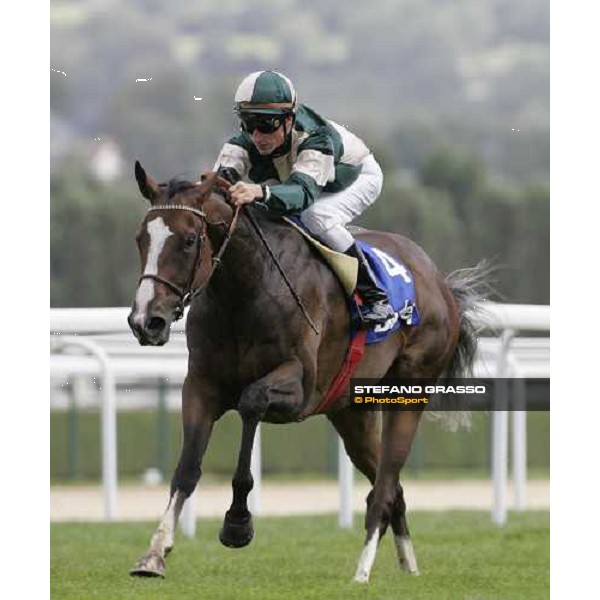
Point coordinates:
[[266, 143]]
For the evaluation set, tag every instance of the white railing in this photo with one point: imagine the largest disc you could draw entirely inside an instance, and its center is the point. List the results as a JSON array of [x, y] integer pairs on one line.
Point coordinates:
[[111, 352], [513, 319]]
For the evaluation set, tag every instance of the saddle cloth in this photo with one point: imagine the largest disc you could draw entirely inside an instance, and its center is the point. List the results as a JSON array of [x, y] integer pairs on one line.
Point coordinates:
[[398, 282], [393, 276]]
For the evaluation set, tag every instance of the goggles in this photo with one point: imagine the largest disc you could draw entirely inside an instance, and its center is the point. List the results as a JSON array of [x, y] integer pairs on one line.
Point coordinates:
[[264, 123]]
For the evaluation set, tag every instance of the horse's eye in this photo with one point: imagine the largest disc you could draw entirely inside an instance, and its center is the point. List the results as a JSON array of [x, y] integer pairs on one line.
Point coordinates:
[[189, 241]]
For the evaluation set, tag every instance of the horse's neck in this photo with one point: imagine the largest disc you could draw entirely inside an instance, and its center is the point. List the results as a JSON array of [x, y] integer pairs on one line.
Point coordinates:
[[243, 274]]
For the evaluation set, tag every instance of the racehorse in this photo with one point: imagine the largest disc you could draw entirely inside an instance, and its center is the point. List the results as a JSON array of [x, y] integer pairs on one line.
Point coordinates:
[[252, 350]]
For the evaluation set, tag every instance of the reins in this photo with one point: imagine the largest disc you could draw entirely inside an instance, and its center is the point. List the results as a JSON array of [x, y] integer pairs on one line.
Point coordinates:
[[294, 293], [216, 260], [187, 294]]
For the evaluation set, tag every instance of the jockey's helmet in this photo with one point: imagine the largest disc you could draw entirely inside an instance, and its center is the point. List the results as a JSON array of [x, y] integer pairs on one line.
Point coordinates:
[[267, 93]]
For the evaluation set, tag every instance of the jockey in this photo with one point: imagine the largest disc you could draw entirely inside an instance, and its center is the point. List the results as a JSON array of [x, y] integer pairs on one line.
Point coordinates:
[[294, 161]]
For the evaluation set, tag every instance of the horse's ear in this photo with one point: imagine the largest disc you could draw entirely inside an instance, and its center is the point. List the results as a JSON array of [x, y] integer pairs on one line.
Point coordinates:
[[148, 187]]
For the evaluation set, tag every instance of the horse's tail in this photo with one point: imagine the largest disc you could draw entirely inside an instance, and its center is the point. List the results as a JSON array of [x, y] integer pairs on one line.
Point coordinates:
[[469, 287]]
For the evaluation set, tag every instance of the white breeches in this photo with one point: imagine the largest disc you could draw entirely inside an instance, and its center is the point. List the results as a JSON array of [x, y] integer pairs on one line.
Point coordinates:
[[327, 216]]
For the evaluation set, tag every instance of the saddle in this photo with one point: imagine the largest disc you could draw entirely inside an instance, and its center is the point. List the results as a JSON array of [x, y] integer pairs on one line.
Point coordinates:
[[393, 276]]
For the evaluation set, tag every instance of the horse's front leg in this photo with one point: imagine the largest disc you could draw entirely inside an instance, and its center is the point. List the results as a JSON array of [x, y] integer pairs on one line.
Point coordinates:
[[199, 411], [282, 390]]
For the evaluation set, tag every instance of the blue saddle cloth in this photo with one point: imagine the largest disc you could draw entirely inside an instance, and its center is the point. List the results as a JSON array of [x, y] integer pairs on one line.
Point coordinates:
[[398, 282]]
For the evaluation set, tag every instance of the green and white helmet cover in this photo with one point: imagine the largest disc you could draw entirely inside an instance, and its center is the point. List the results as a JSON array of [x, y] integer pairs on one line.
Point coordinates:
[[266, 92]]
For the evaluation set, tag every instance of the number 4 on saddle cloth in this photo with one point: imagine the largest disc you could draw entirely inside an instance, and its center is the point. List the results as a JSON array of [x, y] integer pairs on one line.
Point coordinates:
[[398, 283]]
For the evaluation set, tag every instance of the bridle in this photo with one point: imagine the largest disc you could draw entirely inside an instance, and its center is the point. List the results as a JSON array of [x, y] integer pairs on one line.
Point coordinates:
[[187, 294]]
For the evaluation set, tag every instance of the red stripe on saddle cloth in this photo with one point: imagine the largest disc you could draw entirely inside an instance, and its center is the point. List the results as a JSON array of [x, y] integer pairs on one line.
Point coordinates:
[[354, 355]]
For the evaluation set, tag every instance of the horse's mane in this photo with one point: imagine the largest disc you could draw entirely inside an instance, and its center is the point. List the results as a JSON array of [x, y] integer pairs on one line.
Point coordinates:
[[177, 185]]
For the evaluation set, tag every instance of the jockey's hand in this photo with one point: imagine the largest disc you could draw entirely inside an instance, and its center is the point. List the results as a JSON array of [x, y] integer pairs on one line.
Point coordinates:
[[244, 193]]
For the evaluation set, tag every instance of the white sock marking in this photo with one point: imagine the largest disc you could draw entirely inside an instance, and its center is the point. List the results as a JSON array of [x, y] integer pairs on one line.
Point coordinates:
[[406, 554], [164, 536], [367, 558]]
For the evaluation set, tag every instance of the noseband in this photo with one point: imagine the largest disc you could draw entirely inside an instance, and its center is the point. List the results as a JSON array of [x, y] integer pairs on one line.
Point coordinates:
[[187, 294]]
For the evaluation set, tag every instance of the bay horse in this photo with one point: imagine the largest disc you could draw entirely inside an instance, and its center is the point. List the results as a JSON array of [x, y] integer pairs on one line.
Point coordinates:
[[252, 350]]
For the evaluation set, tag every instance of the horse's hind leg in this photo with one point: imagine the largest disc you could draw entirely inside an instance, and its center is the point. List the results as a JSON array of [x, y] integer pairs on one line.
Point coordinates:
[[402, 541], [386, 505], [360, 434], [282, 389], [198, 419], [362, 440]]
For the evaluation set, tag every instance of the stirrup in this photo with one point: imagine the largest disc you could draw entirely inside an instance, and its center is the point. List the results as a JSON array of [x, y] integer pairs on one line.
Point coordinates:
[[377, 313]]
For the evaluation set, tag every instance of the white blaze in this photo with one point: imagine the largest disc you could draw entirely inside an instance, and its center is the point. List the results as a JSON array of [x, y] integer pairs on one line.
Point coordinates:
[[158, 233]]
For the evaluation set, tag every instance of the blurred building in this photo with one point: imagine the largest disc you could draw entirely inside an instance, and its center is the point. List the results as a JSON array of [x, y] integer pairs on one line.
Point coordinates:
[[106, 161], [102, 155]]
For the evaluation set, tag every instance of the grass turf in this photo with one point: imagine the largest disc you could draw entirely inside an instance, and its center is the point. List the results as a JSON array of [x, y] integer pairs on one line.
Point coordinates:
[[461, 555]]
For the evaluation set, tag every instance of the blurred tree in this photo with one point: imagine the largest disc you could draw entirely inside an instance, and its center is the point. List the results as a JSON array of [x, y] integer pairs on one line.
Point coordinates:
[[60, 94], [461, 175], [93, 258], [414, 77], [169, 131], [427, 216], [530, 253]]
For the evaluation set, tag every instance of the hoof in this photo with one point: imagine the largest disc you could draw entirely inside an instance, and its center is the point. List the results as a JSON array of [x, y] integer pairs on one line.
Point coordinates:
[[408, 569], [236, 534], [151, 565], [361, 578]]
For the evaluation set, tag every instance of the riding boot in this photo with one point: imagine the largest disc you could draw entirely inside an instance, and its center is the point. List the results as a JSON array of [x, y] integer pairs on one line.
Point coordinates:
[[376, 308]]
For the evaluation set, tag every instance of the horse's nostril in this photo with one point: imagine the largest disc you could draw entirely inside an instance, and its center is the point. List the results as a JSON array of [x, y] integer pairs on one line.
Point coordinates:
[[155, 324]]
